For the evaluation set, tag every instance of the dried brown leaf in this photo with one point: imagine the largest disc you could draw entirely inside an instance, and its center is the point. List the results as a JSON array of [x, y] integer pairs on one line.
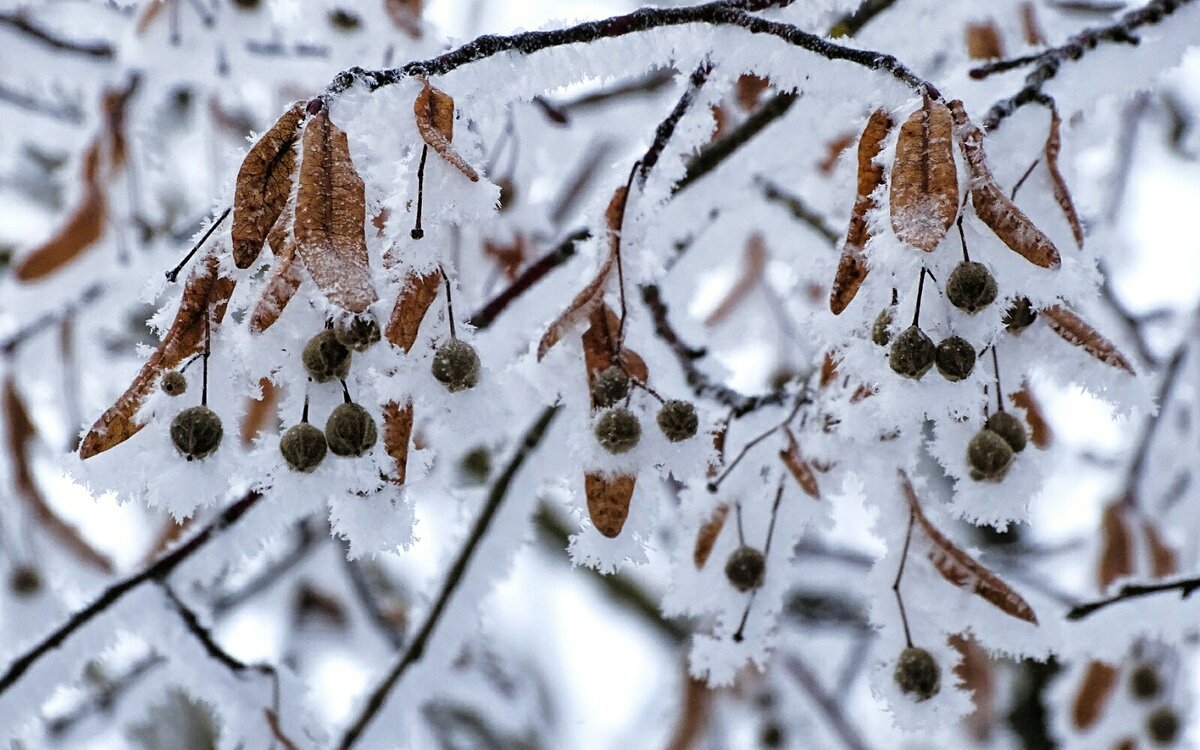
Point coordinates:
[[406, 15], [829, 369], [608, 501], [1163, 560], [82, 228], [1116, 549], [509, 256], [1075, 331], [754, 263], [983, 41], [419, 293], [1039, 429], [259, 411], [924, 193], [833, 151], [749, 90], [799, 467], [397, 431], [1057, 183], [852, 267], [974, 671], [707, 535], [284, 280], [434, 112], [964, 571], [1099, 679], [1030, 26], [264, 183]]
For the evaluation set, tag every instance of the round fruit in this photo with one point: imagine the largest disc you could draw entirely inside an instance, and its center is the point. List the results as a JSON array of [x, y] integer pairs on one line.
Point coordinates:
[[24, 580], [1008, 427], [746, 568], [325, 358], [303, 447], [1020, 315], [1144, 682], [618, 430], [971, 287], [343, 19], [475, 466], [955, 358], [880, 330], [173, 383], [912, 353], [196, 432], [989, 456], [359, 333], [456, 365], [918, 674], [350, 430], [1162, 725], [610, 386], [678, 420]]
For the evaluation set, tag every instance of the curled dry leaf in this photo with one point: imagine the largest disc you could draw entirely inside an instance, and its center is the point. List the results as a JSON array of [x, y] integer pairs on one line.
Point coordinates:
[[707, 535], [205, 290], [82, 228], [924, 193], [397, 431], [1163, 560], [1116, 549], [754, 263], [799, 467], [1099, 679], [852, 267], [259, 411], [1075, 331], [962, 570], [608, 501], [992, 206], [1057, 183], [285, 276], [1039, 429], [983, 41], [264, 183], [434, 113], [419, 293]]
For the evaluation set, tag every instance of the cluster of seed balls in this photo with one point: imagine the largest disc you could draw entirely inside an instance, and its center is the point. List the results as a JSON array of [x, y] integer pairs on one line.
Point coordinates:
[[618, 430], [1162, 723]]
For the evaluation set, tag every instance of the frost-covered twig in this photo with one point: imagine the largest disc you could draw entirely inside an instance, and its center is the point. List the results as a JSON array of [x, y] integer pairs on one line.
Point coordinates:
[[1185, 587], [667, 127], [1167, 382], [362, 590], [799, 210], [14, 340], [306, 541], [19, 23], [828, 706], [534, 273]]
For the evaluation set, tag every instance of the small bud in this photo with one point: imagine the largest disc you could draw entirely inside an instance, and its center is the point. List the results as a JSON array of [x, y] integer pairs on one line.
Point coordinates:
[[610, 386], [1020, 315], [1162, 726], [912, 353], [1144, 682], [325, 358], [746, 568], [350, 430], [475, 466], [196, 432], [618, 430], [456, 365], [303, 447], [359, 333], [24, 580], [1009, 427], [989, 456], [955, 358], [918, 674], [971, 287], [880, 330], [677, 420], [173, 383]]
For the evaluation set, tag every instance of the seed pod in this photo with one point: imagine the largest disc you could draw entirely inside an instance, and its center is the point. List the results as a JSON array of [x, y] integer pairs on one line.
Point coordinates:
[[879, 330], [955, 358], [303, 447], [325, 358], [196, 432], [350, 430], [746, 568], [618, 430], [173, 383], [359, 333], [456, 365], [610, 386], [1020, 315], [677, 420], [475, 466], [912, 353], [1144, 682], [918, 674], [1009, 427], [971, 287], [24, 580], [1162, 726], [989, 456]]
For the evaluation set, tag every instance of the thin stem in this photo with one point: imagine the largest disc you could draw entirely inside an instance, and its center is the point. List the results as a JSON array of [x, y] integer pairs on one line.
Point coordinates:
[[345, 393], [417, 232], [207, 352], [1025, 176], [449, 301], [1185, 587], [801, 399], [738, 515], [774, 514], [739, 634], [173, 274], [962, 237], [920, 293], [996, 372], [900, 575], [620, 265], [304, 414]]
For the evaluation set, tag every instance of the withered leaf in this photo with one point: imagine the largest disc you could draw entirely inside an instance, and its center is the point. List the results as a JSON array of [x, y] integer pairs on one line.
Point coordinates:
[[608, 501], [419, 293], [509, 256], [1039, 429], [1057, 183], [1116, 548], [975, 673], [799, 467], [397, 431], [1030, 26], [259, 411], [284, 280], [924, 192], [1075, 331], [749, 90], [992, 206], [434, 113], [983, 41], [264, 183], [406, 15], [205, 290], [1099, 679], [1163, 560], [331, 214], [852, 266], [962, 570], [833, 150], [592, 294], [82, 228], [707, 535], [754, 263]]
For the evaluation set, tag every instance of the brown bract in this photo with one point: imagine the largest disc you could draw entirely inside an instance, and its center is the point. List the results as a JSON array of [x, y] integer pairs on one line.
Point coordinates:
[[976, 675], [419, 293], [264, 183], [924, 193], [1116, 547], [285, 275], [331, 216], [707, 535], [983, 41], [259, 411], [799, 467], [608, 501], [1039, 429], [1075, 330], [602, 349], [1163, 560], [397, 431], [1098, 682], [852, 266], [434, 113], [1057, 183], [754, 263]]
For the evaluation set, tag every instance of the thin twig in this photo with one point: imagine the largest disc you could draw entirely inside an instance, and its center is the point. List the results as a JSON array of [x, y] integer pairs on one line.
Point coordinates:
[[829, 707], [1185, 587]]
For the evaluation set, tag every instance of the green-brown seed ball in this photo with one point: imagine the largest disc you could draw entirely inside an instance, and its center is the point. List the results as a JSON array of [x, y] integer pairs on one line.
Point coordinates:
[[342, 19], [610, 386], [880, 330], [1162, 726], [25, 580], [303, 447], [746, 568], [456, 365], [618, 430], [677, 420], [1020, 315], [918, 674], [325, 358], [912, 353], [350, 430], [771, 735], [989, 456], [475, 466], [359, 333], [173, 383], [1144, 682], [1009, 427], [196, 432], [955, 358], [971, 287]]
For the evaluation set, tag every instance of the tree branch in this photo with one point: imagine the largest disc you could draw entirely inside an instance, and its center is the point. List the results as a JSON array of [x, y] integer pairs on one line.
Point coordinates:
[[534, 273], [826, 703], [1185, 587], [18, 22], [667, 127]]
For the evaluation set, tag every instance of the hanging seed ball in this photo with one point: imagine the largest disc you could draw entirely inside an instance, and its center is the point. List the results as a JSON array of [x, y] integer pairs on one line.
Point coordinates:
[[1144, 682], [173, 383], [971, 287], [343, 19], [771, 735], [989, 456], [1162, 725], [955, 358], [456, 365], [359, 333], [610, 386], [303, 447], [1020, 315], [325, 358], [746, 568], [475, 466], [1009, 427], [24, 580], [918, 674], [879, 330], [618, 430], [350, 430], [677, 420], [196, 432], [912, 353]]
